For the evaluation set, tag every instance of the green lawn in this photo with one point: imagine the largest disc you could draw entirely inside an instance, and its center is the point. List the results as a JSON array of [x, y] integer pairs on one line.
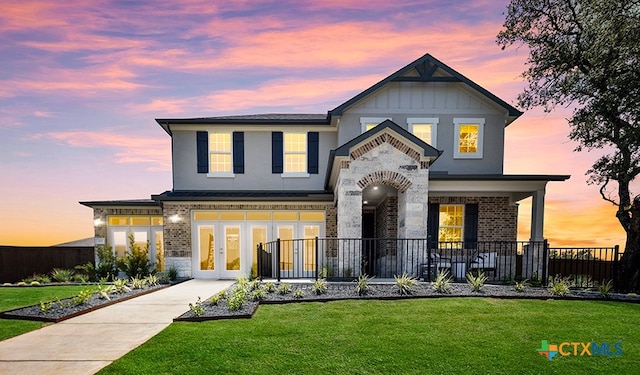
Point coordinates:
[[452, 336], [15, 297]]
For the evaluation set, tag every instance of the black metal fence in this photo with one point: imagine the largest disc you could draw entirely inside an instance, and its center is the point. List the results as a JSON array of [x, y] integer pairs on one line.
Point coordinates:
[[345, 259], [585, 267]]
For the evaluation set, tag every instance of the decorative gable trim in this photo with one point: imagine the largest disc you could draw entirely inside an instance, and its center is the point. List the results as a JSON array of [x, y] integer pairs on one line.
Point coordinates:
[[385, 138]]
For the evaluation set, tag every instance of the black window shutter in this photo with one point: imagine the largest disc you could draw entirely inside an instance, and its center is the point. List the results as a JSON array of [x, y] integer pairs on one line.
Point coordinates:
[[202, 151], [238, 152], [277, 140], [433, 222], [471, 223], [312, 152]]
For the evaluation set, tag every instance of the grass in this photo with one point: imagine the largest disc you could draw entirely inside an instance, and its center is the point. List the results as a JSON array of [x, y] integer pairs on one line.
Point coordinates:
[[15, 297], [449, 335]]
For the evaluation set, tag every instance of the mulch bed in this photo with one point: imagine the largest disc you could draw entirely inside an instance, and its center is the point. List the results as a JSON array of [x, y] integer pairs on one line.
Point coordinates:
[[65, 309], [346, 291]]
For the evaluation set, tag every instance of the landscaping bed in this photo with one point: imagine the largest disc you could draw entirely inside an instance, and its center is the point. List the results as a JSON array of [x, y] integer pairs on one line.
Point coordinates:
[[63, 309], [307, 292]]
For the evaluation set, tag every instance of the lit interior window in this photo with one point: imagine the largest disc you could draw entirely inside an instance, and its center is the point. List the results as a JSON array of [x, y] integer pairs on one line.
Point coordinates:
[[220, 153], [451, 221], [295, 152], [423, 131], [468, 139]]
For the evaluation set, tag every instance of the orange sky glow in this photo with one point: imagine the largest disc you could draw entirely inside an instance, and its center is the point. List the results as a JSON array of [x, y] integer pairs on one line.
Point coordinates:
[[81, 83]]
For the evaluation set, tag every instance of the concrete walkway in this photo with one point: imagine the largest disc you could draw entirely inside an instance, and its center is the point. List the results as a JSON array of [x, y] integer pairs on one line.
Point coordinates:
[[89, 342]]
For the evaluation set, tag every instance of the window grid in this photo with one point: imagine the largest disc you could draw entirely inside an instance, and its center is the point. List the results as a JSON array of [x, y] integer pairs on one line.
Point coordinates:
[[295, 152], [451, 223], [423, 131], [468, 138], [220, 160]]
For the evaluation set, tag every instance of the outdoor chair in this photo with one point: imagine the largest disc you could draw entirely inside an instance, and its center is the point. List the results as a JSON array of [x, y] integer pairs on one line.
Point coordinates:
[[484, 262]]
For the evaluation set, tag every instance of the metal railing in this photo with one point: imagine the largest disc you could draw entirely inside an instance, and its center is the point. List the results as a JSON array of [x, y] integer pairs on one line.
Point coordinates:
[[585, 267], [346, 259]]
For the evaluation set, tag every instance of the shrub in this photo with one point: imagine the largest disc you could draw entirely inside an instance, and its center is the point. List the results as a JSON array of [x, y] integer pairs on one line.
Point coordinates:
[[362, 285], [197, 307], [242, 282], [270, 287], [82, 297], [442, 284], [476, 282], [42, 279], [136, 260], [605, 288], [80, 278], [173, 273], [152, 280], [35, 283], [45, 307], [21, 283], [120, 286], [521, 286], [284, 288], [214, 299], [559, 286], [320, 286], [237, 299], [138, 283], [104, 291], [87, 270], [405, 284], [62, 275], [107, 265], [299, 293], [254, 284], [259, 294]]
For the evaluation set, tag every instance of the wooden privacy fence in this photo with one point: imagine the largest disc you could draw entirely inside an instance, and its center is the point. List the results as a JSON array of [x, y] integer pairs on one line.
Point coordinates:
[[17, 262]]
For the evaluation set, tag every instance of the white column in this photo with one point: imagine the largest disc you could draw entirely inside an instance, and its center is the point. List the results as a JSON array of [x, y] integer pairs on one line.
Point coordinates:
[[537, 216]]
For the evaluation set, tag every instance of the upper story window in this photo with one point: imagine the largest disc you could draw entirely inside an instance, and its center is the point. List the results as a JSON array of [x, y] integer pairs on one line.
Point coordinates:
[[424, 128], [368, 123], [220, 153], [451, 223], [469, 136], [295, 152]]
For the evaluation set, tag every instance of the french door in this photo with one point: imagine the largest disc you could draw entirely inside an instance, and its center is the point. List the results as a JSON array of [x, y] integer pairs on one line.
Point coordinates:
[[218, 251]]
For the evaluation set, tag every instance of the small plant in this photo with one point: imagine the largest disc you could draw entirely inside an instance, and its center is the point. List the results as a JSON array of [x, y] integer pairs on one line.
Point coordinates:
[[104, 291], [320, 287], [222, 294], [242, 282], [173, 273], [632, 295], [35, 283], [405, 284], [347, 272], [237, 299], [442, 284], [521, 286], [299, 293], [80, 278], [270, 287], [259, 294], [605, 288], [559, 286], [21, 283], [197, 307], [284, 288], [254, 284], [42, 279], [82, 297], [120, 286], [106, 265], [535, 280], [151, 280], [45, 307], [362, 285], [87, 270], [214, 299], [163, 277], [137, 283], [476, 282], [62, 275]]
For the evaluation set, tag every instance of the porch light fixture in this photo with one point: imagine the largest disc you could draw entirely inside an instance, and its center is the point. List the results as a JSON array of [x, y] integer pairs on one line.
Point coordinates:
[[97, 222], [174, 218], [365, 202], [375, 188]]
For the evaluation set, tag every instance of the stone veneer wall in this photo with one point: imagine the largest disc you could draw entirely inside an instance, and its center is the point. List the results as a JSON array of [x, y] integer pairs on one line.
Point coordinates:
[[497, 216], [387, 218]]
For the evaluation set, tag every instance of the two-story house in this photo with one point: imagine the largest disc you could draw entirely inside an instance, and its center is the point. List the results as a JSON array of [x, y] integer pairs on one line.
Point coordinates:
[[418, 155]]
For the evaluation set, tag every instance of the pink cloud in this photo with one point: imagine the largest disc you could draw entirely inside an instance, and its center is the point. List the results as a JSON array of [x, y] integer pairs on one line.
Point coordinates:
[[153, 151]]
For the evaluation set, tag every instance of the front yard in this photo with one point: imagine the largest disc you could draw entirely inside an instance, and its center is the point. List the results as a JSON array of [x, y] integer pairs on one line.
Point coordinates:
[[449, 335]]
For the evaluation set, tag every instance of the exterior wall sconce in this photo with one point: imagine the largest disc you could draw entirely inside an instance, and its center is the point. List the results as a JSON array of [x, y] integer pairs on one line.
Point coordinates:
[[97, 222], [174, 218]]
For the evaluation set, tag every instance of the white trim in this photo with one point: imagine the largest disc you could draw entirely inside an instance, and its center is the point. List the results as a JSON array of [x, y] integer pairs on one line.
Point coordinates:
[[221, 174], [368, 120], [433, 121], [295, 175], [457, 122]]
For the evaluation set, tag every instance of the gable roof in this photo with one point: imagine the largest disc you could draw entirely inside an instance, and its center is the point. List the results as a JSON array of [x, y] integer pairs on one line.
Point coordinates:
[[343, 151], [425, 67]]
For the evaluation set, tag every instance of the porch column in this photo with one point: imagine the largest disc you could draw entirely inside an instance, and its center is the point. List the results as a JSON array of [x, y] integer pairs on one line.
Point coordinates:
[[349, 225], [537, 216]]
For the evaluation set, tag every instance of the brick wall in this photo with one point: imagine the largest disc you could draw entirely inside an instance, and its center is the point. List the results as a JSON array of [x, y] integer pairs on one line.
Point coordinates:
[[497, 216]]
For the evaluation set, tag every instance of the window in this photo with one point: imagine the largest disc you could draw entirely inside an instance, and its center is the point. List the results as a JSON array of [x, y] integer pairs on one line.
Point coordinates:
[[424, 128], [451, 223], [368, 123], [295, 152], [469, 134], [220, 153]]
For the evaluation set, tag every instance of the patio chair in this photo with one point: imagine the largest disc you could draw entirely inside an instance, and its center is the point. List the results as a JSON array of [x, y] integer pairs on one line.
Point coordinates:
[[484, 262], [437, 263]]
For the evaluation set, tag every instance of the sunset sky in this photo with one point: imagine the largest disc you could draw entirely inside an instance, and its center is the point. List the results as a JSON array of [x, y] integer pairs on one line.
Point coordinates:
[[81, 83]]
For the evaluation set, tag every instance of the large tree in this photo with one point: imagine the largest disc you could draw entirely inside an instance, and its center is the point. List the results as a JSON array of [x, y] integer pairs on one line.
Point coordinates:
[[586, 54]]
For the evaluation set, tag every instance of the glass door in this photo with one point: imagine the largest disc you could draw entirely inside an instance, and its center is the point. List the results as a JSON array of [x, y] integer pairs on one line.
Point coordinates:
[[231, 258], [206, 264]]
